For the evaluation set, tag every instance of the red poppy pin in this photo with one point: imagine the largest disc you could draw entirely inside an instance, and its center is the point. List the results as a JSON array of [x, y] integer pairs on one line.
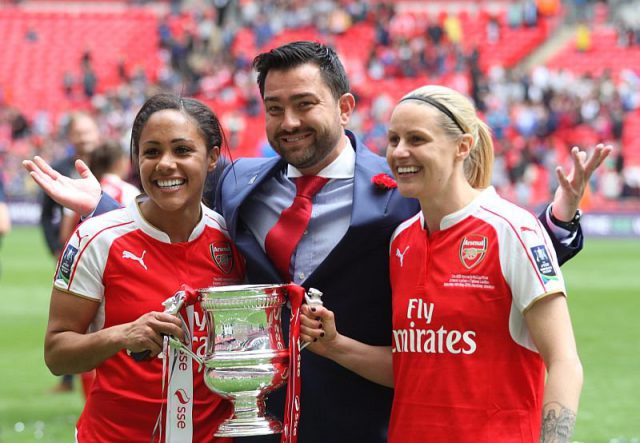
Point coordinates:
[[384, 181]]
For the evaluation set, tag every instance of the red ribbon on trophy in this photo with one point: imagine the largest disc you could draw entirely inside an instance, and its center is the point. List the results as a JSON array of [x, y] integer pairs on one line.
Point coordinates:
[[292, 407]]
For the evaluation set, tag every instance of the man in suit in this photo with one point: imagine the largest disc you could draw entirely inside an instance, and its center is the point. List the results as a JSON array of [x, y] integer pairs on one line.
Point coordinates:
[[83, 136], [344, 250]]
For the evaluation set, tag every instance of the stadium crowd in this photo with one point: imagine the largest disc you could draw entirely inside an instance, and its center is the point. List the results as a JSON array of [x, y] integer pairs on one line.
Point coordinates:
[[206, 52]]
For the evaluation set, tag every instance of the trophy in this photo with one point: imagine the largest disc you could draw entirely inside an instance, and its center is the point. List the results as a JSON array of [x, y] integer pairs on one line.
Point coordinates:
[[246, 353]]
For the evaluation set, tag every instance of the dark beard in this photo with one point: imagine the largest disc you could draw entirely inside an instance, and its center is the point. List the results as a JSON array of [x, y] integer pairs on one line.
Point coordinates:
[[314, 154]]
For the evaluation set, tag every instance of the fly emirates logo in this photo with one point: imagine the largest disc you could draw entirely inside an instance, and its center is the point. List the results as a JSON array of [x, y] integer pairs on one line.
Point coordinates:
[[419, 337]]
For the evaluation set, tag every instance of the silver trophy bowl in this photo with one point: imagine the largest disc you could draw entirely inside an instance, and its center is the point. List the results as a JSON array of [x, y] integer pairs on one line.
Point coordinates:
[[247, 356]]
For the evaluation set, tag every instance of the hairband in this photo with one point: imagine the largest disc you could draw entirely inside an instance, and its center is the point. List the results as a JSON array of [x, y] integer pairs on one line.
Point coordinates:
[[437, 105]]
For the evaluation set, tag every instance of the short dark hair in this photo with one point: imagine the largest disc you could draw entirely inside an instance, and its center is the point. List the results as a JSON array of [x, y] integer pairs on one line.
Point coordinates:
[[104, 158], [298, 53]]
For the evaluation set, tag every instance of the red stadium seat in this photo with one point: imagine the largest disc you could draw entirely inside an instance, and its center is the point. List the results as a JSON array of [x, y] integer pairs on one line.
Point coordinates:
[[34, 69]]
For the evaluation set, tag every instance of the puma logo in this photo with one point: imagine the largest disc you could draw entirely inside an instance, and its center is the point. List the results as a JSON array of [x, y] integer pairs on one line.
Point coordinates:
[[400, 255], [80, 237], [132, 256]]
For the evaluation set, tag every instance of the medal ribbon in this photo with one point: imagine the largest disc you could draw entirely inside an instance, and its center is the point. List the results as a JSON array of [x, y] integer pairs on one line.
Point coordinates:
[[179, 418]]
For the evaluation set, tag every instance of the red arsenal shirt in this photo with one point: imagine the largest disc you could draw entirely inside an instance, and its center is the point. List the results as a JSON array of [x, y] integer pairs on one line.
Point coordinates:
[[130, 267], [465, 367]]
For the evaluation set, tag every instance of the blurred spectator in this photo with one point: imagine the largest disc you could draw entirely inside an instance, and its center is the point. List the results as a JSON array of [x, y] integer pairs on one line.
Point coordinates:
[[339, 21], [89, 78], [222, 9], [631, 185], [529, 13], [453, 29], [5, 220], [580, 10], [83, 136], [31, 35], [515, 14], [262, 31], [610, 182], [68, 84], [548, 8], [493, 30], [435, 31], [583, 38], [19, 124], [110, 163], [235, 124]]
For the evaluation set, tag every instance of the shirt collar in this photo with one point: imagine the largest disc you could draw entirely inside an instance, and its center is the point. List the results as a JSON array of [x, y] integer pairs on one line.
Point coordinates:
[[153, 231], [462, 213], [342, 167]]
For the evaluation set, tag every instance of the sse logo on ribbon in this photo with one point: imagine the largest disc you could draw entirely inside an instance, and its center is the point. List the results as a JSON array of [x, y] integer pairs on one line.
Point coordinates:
[[182, 396]]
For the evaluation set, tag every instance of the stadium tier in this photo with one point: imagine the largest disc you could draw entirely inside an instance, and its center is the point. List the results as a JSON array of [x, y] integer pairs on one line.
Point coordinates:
[[38, 48], [604, 54], [129, 50]]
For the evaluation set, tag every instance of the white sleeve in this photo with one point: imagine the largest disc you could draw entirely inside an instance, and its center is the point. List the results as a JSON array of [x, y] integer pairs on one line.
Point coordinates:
[[81, 265], [531, 270], [530, 265]]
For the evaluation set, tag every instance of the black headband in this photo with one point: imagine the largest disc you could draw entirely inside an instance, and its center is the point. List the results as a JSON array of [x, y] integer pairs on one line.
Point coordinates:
[[438, 105]]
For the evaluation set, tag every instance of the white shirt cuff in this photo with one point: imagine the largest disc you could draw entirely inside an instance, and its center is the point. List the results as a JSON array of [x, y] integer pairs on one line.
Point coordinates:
[[564, 236]]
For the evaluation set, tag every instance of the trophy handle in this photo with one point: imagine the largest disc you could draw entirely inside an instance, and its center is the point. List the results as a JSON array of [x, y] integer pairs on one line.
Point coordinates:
[[185, 296], [312, 297]]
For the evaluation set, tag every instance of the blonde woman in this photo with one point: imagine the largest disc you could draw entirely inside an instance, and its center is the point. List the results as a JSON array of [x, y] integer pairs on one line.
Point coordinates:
[[479, 303]]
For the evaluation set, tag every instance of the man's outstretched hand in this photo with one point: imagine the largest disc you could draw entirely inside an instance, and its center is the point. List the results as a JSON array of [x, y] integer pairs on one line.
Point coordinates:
[[81, 195], [572, 186]]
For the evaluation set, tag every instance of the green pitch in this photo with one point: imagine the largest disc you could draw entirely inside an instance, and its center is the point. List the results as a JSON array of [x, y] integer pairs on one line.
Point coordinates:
[[603, 284]]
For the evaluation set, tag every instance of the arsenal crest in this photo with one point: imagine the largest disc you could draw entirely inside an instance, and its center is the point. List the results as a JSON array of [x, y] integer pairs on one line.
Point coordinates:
[[473, 248], [222, 255]]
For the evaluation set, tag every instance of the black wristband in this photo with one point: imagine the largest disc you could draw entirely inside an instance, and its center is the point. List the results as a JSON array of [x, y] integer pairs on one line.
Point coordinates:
[[571, 225]]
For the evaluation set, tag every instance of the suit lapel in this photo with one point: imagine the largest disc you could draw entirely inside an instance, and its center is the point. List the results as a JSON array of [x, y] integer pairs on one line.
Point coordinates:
[[241, 187], [369, 202], [369, 207]]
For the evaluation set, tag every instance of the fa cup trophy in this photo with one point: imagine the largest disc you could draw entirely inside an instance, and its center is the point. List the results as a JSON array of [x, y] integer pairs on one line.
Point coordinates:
[[246, 353]]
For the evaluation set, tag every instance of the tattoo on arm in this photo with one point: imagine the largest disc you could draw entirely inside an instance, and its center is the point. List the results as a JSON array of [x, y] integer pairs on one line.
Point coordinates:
[[558, 423]]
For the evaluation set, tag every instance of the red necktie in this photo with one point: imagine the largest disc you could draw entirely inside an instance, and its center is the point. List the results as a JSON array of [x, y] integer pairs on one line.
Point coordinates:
[[283, 238]]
